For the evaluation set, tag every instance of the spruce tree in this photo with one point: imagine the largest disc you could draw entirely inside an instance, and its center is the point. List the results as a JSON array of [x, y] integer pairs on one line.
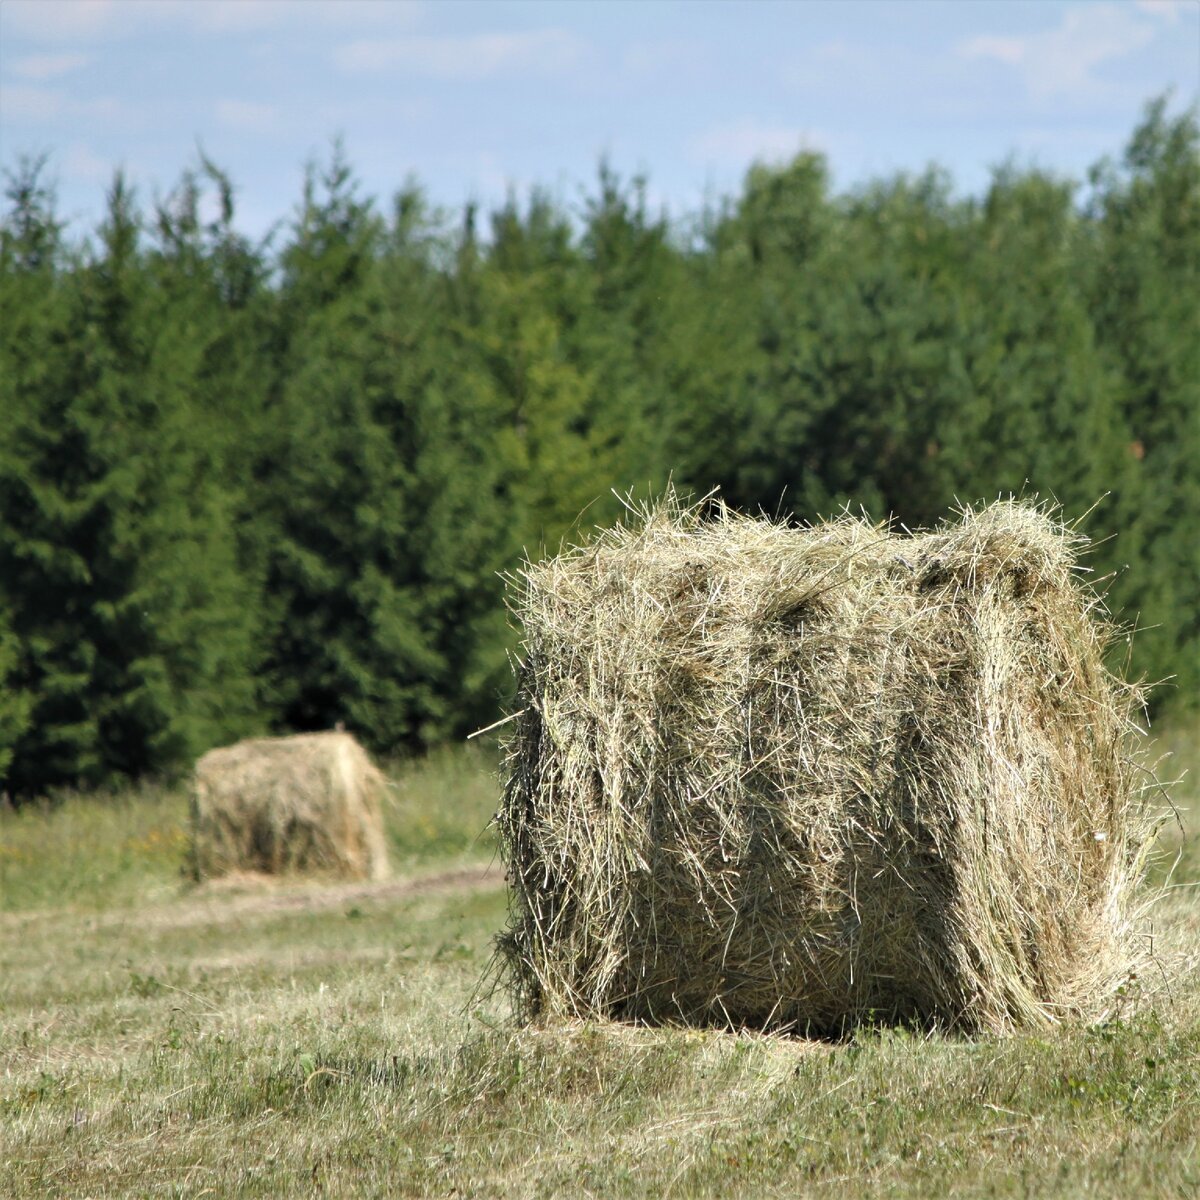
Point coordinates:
[[1049, 422], [31, 325], [352, 640], [117, 552], [1147, 316]]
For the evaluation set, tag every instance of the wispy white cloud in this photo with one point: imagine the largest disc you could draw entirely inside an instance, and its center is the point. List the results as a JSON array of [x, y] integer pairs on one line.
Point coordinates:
[[739, 143], [478, 56], [22, 102], [1168, 10], [83, 20], [34, 104], [248, 116], [393, 16], [665, 55], [79, 162], [1063, 61], [238, 16], [226, 16], [48, 66], [342, 113], [59, 20]]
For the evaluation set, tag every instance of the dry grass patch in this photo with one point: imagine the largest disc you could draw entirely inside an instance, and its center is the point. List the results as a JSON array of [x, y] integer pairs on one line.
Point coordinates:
[[216, 1043]]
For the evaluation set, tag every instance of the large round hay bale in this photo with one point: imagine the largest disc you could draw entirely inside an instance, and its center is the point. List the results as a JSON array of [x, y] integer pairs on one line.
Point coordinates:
[[309, 803], [799, 778]]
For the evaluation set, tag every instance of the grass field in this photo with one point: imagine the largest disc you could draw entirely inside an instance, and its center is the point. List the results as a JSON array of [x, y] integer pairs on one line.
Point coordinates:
[[162, 1040]]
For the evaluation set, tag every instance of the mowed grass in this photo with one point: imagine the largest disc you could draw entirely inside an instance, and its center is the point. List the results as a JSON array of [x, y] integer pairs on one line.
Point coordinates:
[[309, 1039]]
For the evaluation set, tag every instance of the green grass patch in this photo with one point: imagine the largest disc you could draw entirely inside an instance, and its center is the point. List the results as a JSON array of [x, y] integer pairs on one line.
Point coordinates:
[[440, 808], [99, 852]]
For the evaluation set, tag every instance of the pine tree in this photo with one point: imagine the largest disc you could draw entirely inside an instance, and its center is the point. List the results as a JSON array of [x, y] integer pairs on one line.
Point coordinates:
[[847, 375], [1049, 419], [31, 322], [362, 480], [744, 373], [633, 324], [1147, 317], [117, 554]]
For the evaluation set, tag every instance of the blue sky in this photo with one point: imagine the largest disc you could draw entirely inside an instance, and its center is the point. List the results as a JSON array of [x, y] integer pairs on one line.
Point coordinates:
[[473, 98]]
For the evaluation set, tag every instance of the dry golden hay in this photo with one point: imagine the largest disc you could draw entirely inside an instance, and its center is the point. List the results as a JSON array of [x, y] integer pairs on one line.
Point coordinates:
[[309, 803], [801, 778]]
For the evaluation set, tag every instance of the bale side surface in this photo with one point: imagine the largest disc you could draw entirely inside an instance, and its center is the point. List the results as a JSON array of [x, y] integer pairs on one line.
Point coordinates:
[[308, 803], [783, 777]]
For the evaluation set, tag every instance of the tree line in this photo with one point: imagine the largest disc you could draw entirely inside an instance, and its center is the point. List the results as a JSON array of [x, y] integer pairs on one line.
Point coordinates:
[[268, 486]]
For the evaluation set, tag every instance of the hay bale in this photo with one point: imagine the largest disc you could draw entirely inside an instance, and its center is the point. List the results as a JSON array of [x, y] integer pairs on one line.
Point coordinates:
[[782, 777], [309, 803]]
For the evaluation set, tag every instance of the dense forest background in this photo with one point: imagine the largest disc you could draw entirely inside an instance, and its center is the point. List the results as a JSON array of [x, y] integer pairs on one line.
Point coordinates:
[[266, 487]]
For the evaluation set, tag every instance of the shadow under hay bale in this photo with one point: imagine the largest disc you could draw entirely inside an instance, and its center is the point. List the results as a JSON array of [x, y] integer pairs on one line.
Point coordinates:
[[800, 778], [309, 803]]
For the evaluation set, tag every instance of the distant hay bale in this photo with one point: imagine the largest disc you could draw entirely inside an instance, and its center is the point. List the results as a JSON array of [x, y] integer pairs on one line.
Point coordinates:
[[802, 778], [309, 803]]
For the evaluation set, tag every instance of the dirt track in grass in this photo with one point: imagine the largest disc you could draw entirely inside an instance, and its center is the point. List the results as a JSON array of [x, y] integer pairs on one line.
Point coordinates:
[[248, 896]]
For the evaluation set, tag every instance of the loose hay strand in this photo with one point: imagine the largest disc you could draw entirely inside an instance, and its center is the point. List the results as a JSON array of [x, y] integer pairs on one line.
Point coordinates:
[[789, 777]]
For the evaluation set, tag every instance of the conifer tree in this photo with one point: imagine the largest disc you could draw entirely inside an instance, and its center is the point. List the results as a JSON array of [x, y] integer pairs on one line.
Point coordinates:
[[343, 645], [116, 552], [1147, 317], [1049, 419], [744, 374], [633, 323], [376, 482], [548, 424], [847, 373], [515, 461], [31, 323], [15, 704], [243, 487]]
